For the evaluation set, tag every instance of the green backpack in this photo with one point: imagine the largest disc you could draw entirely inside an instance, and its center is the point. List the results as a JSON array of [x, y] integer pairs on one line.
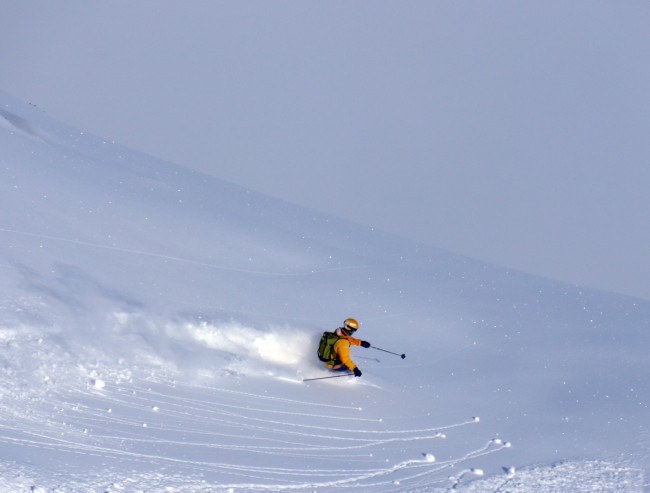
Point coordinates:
[[326, 347]]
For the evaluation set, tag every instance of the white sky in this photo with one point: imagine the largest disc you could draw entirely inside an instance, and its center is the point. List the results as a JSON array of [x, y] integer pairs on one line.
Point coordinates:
[[512, 131]]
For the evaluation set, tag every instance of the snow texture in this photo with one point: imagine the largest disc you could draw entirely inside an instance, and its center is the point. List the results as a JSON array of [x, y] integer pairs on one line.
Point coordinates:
[[156, 325]]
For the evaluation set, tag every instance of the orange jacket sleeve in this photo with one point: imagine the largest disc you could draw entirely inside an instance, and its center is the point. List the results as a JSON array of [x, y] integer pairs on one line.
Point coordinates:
[[353, 341]]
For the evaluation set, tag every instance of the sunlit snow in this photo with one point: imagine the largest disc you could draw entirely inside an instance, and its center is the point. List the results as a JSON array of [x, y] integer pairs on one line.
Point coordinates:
[[156, 325]]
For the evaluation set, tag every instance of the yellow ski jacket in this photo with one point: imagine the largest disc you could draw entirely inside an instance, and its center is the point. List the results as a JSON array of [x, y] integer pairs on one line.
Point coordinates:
[[342, 350]]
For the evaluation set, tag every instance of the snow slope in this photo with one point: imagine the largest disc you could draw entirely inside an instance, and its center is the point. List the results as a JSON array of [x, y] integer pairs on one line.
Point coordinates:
[[156, 325]]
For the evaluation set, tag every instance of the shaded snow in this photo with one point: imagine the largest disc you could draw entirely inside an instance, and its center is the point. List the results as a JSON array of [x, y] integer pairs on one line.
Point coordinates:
[[156, 325], [577, 476]]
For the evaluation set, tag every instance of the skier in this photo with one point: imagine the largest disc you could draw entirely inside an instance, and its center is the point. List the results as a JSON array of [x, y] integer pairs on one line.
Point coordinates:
[[334, 349]]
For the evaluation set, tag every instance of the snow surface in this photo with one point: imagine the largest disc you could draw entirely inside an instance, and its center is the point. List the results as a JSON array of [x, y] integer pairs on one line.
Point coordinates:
[[156, 325]]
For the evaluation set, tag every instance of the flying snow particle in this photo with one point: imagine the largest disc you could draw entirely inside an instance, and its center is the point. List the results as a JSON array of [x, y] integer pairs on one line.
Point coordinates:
[[155, 409], [97, 383], [477, 472], [429, 457]]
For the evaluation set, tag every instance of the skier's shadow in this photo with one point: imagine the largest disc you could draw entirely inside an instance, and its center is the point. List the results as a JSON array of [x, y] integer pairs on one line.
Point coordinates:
[[365, 358]]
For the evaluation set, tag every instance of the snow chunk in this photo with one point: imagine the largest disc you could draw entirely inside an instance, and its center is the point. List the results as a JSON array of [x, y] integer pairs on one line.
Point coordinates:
[[97, 383]]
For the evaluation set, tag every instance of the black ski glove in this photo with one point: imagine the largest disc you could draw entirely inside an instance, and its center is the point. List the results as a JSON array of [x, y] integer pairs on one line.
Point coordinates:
[[365, 344], [357, 372]]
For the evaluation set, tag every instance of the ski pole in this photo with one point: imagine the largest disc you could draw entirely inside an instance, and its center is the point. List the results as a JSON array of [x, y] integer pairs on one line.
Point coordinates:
[[390, 352], [323, 378]]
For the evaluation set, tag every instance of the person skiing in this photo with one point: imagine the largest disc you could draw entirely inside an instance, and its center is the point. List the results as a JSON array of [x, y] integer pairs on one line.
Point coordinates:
[[337, 347]]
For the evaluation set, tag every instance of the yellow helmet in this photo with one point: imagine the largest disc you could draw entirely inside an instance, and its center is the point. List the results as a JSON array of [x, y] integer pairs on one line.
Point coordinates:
[[350, 325]]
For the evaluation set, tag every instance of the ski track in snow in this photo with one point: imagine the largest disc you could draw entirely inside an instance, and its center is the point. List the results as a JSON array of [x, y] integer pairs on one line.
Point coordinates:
[[80, 431], [214, 438], [197, 438]]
